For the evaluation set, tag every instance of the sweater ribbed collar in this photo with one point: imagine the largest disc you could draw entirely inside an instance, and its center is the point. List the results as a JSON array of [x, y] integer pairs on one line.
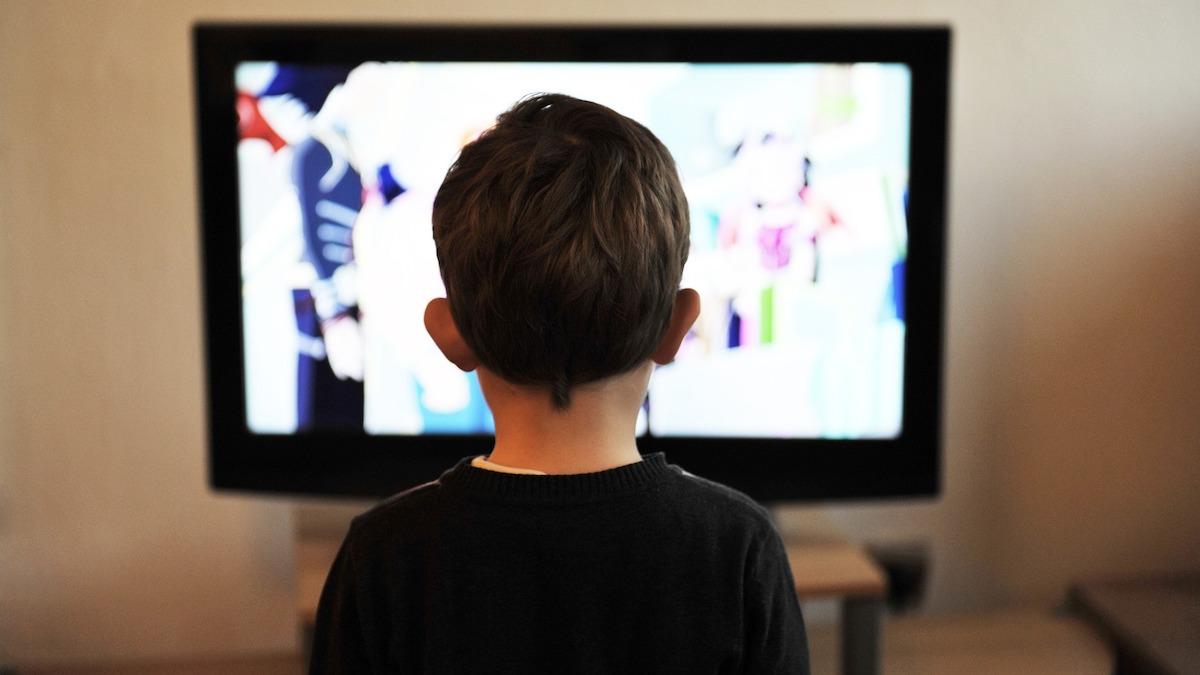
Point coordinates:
[[482, 484]]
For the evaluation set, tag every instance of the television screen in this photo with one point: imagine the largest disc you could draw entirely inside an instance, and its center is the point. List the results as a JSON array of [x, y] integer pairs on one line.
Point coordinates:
[[813, 162]]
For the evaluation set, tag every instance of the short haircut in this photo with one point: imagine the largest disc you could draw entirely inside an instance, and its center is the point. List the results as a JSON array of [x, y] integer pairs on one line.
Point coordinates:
[[561, 235]]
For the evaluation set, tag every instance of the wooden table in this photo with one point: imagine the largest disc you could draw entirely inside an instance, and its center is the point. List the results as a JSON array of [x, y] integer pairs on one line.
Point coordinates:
[[823, 568], [833, 568], [314, 557]]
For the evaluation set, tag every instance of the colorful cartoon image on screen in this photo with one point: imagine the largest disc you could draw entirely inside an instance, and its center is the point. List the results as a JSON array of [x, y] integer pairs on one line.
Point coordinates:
[[796, 177]]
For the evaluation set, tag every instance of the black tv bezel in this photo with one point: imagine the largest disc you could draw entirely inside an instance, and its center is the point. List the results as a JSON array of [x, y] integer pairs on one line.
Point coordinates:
[[360, 465]]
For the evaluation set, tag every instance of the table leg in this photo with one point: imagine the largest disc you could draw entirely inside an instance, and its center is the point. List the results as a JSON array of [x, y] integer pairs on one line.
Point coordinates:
[[862, 620]]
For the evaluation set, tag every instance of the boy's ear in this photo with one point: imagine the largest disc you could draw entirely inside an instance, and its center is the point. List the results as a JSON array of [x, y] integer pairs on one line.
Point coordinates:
[[687, 308], [444, 332]]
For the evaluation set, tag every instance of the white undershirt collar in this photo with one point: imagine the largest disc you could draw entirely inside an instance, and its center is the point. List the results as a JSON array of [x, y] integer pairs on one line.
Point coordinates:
[[482, 462]]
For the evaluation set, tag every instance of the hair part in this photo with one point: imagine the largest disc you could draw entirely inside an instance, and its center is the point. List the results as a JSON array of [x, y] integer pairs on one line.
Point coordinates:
[[561, 235]]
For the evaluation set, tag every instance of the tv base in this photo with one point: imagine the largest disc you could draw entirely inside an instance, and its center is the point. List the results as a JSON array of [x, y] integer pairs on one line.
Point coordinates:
[[824, 567]]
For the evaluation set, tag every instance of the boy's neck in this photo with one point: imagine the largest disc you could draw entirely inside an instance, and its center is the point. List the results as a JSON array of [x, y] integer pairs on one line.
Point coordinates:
[[596, 432]]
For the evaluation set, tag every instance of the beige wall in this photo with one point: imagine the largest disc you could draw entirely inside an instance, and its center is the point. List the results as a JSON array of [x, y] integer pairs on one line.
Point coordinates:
[[1073, 439]]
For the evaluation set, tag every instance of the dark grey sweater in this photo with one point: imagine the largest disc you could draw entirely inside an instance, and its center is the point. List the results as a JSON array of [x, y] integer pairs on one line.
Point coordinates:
[[640, 569]]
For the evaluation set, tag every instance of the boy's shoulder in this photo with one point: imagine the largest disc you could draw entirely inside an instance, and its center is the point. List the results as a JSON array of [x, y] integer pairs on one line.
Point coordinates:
[[413, 505], [653, 486], [725, 502]]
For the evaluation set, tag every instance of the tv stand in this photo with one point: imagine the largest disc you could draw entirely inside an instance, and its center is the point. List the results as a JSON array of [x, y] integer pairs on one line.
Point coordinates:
[[824, 567]]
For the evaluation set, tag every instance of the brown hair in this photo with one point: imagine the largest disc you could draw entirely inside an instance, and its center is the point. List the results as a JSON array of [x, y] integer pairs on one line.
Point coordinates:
[[561, 235]]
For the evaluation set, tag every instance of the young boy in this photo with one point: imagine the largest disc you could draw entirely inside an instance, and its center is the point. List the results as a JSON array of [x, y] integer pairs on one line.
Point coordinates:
[[561, 234]]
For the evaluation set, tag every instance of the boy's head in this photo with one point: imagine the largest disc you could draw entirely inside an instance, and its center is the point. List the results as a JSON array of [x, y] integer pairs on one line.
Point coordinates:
[[561, 234]]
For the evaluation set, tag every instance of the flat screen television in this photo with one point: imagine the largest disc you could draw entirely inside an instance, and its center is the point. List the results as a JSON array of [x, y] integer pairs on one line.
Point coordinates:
[[814, 160]]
